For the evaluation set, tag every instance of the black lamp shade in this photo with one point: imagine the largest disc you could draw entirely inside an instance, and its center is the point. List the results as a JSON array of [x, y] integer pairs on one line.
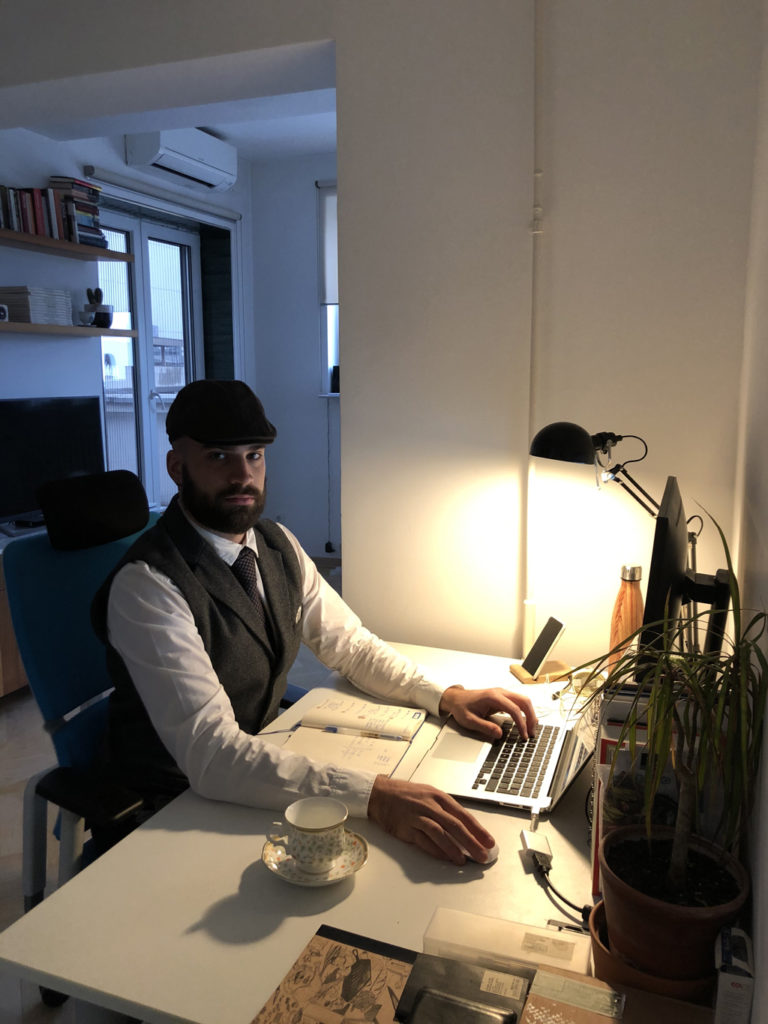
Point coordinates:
[[566, 442]]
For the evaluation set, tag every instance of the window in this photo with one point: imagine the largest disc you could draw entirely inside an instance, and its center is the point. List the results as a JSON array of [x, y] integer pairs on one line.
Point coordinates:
[[329, 284]]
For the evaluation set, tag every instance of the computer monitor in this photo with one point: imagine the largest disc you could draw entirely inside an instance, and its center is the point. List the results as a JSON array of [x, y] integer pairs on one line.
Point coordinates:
[[671, 583], [45, 439]]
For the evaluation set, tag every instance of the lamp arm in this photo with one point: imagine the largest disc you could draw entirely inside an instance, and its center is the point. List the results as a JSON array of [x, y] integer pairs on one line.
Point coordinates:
[[631, 486]]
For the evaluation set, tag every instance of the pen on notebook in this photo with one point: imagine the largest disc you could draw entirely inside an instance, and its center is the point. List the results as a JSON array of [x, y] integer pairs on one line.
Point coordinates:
[[363, 732]]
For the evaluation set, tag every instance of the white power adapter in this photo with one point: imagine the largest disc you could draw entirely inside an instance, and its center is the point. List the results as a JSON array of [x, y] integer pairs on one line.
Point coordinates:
[[536, 843]]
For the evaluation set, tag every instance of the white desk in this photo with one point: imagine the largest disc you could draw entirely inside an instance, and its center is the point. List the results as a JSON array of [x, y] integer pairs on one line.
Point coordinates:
[[182, 922]]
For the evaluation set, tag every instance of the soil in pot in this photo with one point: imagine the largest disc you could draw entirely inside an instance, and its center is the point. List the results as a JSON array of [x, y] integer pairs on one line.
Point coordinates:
[[643, 865]]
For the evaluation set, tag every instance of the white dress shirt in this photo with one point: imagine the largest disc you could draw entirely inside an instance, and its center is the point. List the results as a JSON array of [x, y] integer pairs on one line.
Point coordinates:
[[151, 626]]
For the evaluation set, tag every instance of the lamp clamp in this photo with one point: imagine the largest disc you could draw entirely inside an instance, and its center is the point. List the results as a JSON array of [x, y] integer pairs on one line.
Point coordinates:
[[605, 440]]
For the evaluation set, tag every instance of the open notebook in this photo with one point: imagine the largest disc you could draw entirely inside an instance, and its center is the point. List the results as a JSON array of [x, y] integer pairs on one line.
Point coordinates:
[[344, 729]]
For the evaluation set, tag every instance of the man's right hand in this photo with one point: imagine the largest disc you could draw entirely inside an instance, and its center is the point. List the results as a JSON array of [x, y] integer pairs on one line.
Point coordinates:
[[428, 818]]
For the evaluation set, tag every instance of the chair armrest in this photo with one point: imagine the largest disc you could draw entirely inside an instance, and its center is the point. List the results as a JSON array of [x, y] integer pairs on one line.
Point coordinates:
[[100, 801]]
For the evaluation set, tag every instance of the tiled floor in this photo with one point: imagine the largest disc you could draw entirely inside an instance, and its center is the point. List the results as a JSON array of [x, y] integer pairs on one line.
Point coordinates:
[[25, 749]]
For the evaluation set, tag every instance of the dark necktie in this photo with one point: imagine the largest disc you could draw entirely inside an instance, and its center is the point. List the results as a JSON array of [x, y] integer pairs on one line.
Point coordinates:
[[244, 568]]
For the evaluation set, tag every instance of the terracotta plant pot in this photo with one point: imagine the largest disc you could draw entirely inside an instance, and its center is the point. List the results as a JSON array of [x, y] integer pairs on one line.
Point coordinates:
[[662, 938], [615, 971]]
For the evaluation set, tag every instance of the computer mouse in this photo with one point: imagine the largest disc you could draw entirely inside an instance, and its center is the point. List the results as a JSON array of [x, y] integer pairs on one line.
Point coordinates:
[[491, 855]]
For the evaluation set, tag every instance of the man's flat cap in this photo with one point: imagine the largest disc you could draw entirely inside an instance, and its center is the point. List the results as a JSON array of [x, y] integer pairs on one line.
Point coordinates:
[[219, 412]]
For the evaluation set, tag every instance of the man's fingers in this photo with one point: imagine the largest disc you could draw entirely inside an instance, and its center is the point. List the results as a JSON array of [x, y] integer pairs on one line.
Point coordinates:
[[430, 819], [473, 709]]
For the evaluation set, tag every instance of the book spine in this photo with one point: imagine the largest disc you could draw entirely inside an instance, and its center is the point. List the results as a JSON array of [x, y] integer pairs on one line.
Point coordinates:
[[84, 206], [27, 212], [39, 215], [86, 219], [63, 181], [53, 213], [14, 209], [61, 219], [71, 221]]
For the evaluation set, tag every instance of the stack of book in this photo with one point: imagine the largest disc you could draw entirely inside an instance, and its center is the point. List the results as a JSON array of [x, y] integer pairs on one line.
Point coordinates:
[[37, 305], [67, 209], [80, 202]]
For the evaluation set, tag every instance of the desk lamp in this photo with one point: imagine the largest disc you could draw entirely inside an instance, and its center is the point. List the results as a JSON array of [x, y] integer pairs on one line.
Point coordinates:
[[568, 442]]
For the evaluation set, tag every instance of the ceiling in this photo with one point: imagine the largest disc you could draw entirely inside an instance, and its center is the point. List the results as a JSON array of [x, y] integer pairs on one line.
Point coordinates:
[[290, 124], [270, 103], [276, 126]]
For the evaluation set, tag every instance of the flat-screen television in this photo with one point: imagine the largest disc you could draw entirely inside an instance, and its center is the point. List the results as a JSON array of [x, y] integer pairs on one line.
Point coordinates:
[[671, 583], [45, 439]]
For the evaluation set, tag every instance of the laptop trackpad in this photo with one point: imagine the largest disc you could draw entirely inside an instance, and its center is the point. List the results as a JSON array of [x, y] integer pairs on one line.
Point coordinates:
[[454, 747]]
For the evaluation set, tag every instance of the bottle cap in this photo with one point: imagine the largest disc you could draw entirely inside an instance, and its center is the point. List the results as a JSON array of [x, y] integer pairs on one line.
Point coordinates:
[[631, 572]]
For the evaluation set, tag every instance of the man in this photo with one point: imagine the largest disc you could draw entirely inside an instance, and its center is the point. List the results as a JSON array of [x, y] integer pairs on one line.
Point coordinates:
[[199, 666]]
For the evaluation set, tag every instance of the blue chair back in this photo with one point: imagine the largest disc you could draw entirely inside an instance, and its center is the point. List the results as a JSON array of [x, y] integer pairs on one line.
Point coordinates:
[[50, 593]]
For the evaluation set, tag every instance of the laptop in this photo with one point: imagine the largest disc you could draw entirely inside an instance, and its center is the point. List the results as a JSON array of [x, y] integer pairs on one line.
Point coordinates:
[[527, 775]]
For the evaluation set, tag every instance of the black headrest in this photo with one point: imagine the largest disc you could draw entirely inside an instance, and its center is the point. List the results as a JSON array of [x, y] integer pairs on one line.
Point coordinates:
[[83, 511]]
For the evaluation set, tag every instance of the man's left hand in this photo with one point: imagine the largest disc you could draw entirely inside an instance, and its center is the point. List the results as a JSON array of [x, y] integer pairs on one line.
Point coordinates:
[[472, 710]]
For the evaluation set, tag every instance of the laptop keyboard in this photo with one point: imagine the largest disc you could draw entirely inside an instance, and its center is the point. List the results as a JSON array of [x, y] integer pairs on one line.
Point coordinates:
[[516, 767]]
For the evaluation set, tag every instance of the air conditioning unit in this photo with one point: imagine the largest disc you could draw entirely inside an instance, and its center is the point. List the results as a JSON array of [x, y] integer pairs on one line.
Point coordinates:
[[191, 156]]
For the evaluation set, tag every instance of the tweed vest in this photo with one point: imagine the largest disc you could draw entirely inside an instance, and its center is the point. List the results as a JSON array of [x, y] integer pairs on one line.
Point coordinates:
[[251, 666]]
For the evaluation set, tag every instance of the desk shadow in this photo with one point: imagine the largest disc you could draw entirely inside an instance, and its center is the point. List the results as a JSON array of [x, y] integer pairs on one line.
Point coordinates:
[[422, 868], [263, 902]]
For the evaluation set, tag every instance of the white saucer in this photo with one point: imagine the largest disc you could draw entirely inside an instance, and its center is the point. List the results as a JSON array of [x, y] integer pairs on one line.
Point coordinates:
[[279, 861]]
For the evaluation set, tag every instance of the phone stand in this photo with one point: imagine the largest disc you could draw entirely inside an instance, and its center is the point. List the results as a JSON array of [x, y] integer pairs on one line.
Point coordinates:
[[550, 672]]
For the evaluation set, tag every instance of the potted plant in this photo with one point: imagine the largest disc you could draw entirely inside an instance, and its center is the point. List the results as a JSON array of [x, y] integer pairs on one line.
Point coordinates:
[[700, 714], [100, 313]]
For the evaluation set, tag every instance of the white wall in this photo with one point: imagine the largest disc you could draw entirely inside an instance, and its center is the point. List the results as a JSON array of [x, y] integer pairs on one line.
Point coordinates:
[[435, 105], [287, 342], [647, 133]]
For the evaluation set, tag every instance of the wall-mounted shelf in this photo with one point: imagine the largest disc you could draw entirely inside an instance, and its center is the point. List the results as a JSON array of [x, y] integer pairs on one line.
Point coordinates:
[[66, 331], [58, 247]]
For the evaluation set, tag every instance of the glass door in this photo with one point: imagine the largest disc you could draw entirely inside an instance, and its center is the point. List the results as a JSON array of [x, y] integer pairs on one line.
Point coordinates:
[[170, 299], [118, 360], [141, 380]]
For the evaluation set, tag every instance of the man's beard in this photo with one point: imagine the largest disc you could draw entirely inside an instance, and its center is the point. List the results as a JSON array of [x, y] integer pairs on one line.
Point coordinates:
[[214, 513]]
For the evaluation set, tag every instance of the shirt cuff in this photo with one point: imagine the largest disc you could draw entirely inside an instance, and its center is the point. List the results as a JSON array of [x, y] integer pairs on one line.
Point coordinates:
[[353, 789]]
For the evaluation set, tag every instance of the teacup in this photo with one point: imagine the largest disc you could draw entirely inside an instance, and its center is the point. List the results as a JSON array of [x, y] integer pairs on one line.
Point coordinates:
[[314, 833]]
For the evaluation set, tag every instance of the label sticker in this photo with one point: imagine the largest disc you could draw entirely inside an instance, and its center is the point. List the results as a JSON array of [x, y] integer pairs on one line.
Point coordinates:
[[544, 945], [508, 985]]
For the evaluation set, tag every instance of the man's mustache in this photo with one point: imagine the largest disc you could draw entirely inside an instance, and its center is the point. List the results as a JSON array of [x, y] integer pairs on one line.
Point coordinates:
[[232, 491]]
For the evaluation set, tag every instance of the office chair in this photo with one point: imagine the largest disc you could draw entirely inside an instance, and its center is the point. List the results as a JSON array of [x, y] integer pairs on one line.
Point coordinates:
[[51, 580]]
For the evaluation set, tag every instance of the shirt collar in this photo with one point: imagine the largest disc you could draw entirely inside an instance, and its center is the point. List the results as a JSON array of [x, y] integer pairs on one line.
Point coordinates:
[[226, 549]]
